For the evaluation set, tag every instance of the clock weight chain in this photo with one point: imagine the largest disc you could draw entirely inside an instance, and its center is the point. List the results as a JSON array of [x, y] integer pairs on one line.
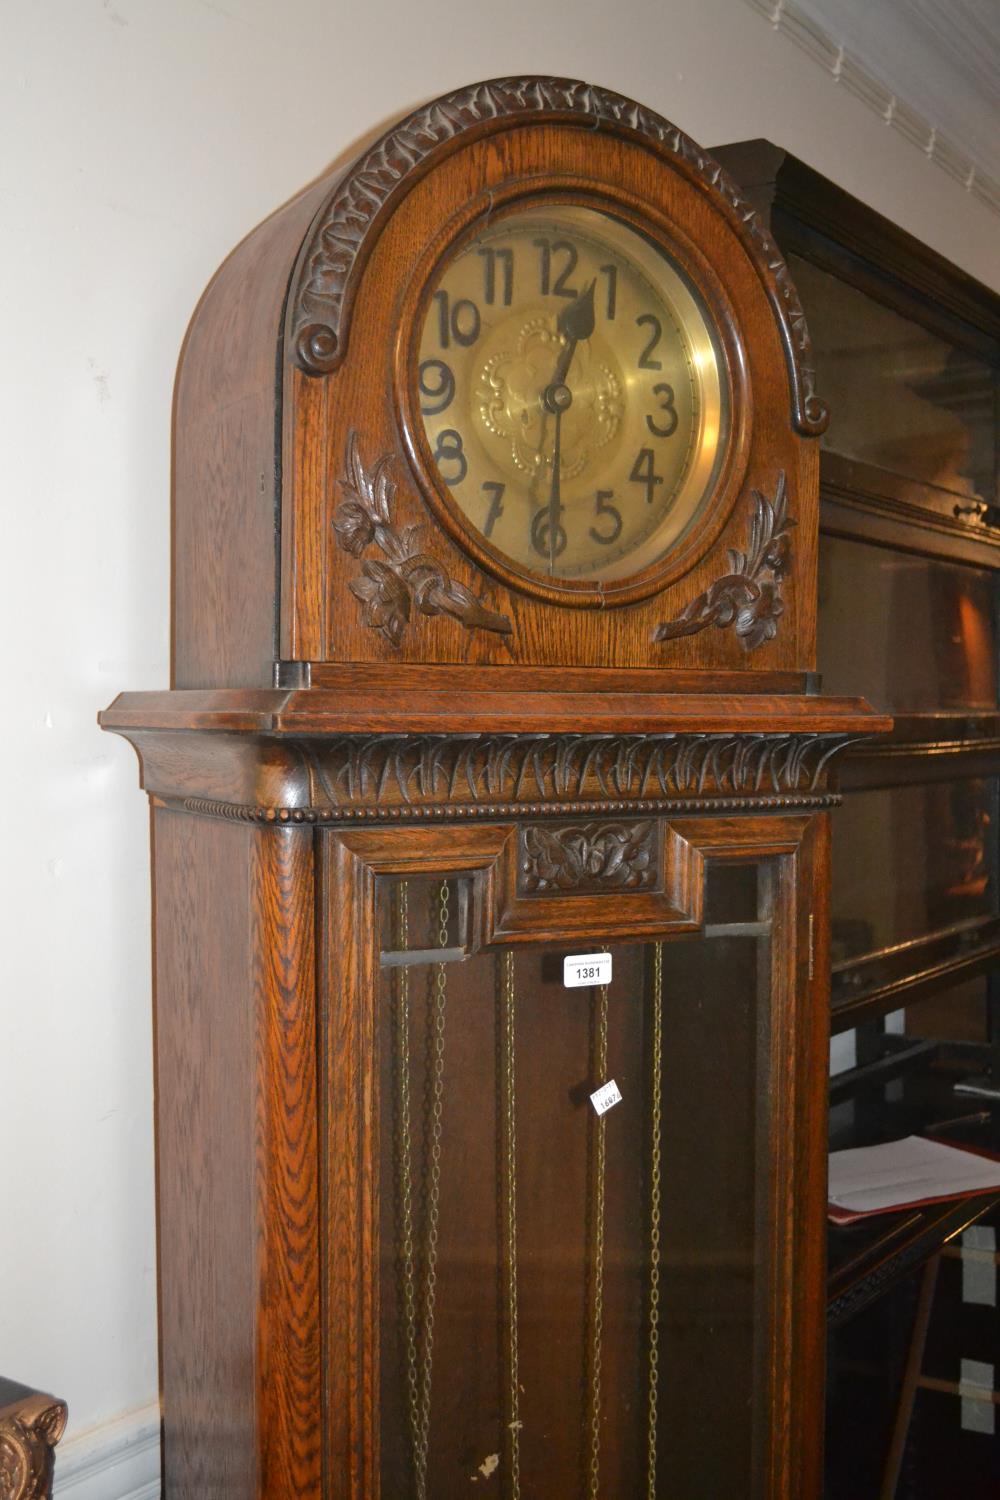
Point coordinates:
[[595, 1233], [419, 1322], [403, 1159], [655, 1170], [507, 1183]]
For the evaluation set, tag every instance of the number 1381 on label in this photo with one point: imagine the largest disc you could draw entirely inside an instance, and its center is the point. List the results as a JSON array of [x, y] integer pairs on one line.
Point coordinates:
[[586, 968]]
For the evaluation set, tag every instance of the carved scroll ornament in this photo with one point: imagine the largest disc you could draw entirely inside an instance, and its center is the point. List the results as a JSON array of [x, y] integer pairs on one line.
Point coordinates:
[[748, 597], [28, 1435], [338, 240], [389, 590]]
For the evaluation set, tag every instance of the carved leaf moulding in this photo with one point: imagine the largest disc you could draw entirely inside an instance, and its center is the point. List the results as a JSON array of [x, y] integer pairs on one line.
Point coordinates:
[[407, 578], [588, 856], [336, 244], [749, 595], [477, 768], [471, 776]]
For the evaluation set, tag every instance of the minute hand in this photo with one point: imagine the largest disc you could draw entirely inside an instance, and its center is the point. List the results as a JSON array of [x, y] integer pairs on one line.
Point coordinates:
[[574, 323]]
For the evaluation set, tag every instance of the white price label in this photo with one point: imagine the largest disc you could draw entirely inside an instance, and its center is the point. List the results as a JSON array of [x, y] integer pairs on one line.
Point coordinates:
[[606, 1097], [587, 968]]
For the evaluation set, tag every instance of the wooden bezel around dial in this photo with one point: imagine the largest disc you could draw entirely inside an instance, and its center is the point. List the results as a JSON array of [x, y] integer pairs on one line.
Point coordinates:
[[651, 360]]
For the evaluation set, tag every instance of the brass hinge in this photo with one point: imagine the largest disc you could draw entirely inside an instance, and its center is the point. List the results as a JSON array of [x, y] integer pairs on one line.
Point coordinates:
[[812, 950]]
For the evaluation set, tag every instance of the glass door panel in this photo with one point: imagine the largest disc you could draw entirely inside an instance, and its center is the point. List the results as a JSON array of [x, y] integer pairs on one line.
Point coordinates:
[[911, 860], [900, 397], [569, 1299], [912, 634]]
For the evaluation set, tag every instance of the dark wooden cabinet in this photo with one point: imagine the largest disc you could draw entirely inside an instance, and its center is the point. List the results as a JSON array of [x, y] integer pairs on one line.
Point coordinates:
[[907, 349], [465, 824]]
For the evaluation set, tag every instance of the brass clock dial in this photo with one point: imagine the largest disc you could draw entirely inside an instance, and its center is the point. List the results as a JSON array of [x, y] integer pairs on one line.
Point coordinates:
[[571, 393]]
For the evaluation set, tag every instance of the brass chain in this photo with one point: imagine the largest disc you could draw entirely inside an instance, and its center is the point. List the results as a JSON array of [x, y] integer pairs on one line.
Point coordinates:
[[404, 1177], [509, 1196], [419, 1325], [656, 1120], [435, 1109], [600, 1066]]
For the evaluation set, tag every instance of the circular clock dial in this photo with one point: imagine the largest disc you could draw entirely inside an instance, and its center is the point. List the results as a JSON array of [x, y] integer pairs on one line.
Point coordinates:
[[570, 392]]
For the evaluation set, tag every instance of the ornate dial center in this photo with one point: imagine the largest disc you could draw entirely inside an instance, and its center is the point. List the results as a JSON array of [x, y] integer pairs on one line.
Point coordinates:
[[570, 393], [516, 397]]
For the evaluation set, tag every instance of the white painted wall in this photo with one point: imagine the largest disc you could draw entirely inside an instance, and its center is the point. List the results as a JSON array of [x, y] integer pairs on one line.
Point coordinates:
[[141, 140]]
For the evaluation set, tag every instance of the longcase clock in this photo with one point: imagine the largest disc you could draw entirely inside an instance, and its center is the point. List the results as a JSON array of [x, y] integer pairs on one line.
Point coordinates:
[[490, 808]]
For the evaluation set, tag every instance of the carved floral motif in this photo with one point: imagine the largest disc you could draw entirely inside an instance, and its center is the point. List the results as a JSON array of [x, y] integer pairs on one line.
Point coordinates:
[[319, 306], [748, 597], [407, 578], [619, 856]]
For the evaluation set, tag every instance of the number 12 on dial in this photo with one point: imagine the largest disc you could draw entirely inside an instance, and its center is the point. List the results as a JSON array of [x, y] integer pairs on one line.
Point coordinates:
[[570, 392]]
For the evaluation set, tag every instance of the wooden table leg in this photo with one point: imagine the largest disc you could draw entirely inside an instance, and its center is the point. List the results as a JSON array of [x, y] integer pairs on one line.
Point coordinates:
[[911, 1375]]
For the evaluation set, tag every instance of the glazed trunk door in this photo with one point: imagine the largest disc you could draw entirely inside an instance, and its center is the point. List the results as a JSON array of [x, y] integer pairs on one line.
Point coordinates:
[[557, 1301]]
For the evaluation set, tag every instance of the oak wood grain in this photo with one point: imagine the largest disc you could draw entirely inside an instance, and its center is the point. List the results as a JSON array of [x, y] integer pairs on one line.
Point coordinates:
[[236, 1133], [227, 466], [318, 711], [280, 814], [261, 443], [789, 1146]]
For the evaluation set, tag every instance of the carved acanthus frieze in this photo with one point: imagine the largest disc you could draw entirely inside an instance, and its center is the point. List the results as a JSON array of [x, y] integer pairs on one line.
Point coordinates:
[[444, 777], [588, 857], [320, 302], [748, 597], [416, 769], [407, 579]]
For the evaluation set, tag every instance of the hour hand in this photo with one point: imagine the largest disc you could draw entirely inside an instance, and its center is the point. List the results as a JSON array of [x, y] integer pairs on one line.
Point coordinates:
[[576, 321]]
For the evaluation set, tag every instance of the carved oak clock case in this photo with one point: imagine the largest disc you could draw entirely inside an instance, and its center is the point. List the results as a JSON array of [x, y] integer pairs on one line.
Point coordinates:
[[490, 832]]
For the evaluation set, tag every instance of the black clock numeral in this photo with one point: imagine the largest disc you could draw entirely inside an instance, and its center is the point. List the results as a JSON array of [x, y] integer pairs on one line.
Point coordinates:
[[666, 394], [492, 257], [611, 272], [646, 361], [437, 387], [545, 265], [603, 507], [460, 322], [548, 249], [449, 451], [560, 288], [495, 491], [643, 472], [541, 525], [444, 323]]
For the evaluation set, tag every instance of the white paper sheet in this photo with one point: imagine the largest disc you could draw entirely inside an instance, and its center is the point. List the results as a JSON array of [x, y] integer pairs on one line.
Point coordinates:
[[869, 1179]]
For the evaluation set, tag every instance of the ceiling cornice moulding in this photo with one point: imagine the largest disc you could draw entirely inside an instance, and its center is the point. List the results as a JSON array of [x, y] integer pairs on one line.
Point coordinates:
[[846, 69]]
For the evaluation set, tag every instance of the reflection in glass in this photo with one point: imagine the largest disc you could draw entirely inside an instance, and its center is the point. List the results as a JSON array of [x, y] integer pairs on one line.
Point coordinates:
[[568, 1300], [899, 397], [909, 633], [909, 860]]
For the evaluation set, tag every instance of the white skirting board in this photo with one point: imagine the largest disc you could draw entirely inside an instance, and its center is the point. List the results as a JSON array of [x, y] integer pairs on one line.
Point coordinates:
[[117, 1460]]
